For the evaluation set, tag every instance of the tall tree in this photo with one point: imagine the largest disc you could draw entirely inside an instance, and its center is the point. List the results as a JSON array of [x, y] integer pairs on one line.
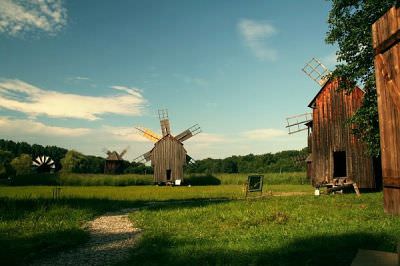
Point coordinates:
[[350, 28], [22, 164]]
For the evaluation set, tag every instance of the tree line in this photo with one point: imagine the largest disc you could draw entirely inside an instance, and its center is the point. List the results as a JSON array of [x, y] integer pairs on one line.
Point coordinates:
[[284, 161], [16, 158]]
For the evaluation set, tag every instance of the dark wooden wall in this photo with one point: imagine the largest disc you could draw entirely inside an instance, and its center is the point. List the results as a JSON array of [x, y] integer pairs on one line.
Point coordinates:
[[386, 35], [330, 134], [168, 153], [113, 167]]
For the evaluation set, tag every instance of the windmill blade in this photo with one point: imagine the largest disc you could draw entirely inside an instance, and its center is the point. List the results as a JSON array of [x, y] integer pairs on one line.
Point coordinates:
[[298, 123], [165, 127], [148, 134], [43, 164], [317, 71], [123, 152], [190, 160], [164, 122], [143, 158], [36, 162], [188, 133]]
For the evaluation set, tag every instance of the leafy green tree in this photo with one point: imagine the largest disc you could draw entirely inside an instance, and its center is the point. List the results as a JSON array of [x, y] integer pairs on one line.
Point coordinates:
[[5, 167], [22, 164], [74, 162], [350, 28]]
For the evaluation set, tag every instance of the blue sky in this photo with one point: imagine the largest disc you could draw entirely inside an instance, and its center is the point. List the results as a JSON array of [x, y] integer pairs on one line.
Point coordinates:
[[83, 74]]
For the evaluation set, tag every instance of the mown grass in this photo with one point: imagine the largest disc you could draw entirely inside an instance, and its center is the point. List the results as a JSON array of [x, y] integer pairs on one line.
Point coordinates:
[[71, 179], [297, 230], [182, 226], [33, 225]]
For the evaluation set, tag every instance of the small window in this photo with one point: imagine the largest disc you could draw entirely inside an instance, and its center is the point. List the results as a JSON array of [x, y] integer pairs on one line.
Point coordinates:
[[339, 164]]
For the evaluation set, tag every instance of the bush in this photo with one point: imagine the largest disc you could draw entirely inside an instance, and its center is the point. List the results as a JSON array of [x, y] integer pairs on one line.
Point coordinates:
[[22, 164], [5, 167], [74, 162]]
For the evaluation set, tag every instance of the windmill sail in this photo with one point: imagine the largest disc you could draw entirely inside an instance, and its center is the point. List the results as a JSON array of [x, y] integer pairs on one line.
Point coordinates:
[[165, 127], [148, 134], [317, 71], [123, 152], [298, 123], [189, 160], [164, 122], [143, 158], [188, 133], [43, 164]]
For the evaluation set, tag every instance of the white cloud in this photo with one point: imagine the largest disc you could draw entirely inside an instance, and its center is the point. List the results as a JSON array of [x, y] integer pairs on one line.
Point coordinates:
[[19, 16], [254, 34], [30, 127], [264, 134], [26, 98]]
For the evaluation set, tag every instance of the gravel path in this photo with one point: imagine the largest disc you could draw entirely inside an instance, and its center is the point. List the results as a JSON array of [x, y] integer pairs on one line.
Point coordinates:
[[111, 237]]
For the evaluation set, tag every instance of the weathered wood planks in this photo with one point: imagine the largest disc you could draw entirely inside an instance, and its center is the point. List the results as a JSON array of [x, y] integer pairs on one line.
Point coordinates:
[[386, 37], [330, 133], [168, 154]]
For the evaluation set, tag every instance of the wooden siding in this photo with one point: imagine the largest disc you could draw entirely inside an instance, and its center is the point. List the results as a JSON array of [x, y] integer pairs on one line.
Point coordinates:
[[386, 35], [168, 154], [113, 167], [331, 110]]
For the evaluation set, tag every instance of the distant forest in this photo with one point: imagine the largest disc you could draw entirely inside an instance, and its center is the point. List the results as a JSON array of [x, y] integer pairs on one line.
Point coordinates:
[[285, 161]]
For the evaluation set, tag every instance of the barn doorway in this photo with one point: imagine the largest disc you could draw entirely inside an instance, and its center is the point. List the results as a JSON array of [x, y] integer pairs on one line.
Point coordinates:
[[339, 164], [168, 174]]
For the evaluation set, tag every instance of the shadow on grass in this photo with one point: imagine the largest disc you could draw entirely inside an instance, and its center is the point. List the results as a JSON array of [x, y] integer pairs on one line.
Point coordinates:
[[316, 250], [15, 209], [20, 250], [21, 242], [202, 180]]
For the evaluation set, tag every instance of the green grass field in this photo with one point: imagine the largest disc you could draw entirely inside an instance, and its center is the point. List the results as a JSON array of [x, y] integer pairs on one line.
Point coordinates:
[[181, 226], [71, 179]]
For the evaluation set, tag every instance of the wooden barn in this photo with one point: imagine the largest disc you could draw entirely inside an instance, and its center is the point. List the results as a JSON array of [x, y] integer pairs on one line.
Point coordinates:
[[335, 151], [386, 44], [168, 156], [114, 162]]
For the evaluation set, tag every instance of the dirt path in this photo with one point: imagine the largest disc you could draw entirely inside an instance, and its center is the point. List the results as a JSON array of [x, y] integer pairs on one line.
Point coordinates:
[[111, 237]]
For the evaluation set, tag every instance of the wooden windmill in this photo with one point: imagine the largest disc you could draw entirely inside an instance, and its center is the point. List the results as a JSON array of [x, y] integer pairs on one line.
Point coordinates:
[[43, 164], [336, 154], [114, 162], [168, 155]]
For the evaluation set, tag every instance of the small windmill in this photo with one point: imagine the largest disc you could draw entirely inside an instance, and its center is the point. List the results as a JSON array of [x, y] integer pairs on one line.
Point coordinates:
[[43, 164], [114, 161], [168, 155]]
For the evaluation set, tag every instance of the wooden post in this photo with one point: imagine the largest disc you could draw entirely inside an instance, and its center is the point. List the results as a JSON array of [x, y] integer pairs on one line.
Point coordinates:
[[386, 44]]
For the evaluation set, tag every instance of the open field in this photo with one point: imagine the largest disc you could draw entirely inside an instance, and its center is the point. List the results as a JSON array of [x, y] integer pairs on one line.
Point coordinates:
[[181, 225], [71, 179]]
